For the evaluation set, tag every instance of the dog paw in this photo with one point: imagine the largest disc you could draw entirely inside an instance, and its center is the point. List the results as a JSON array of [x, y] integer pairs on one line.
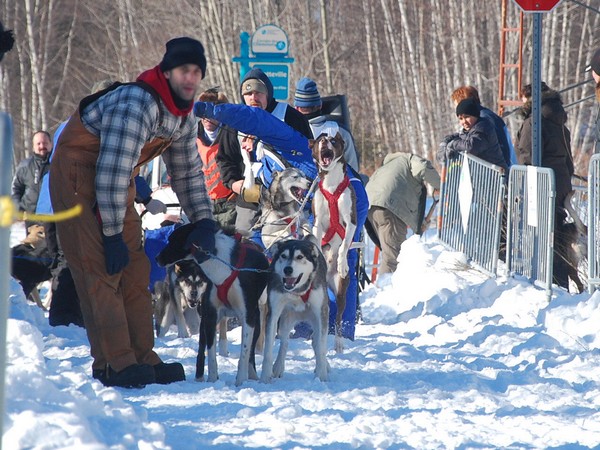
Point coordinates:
[[212, 378], [278, 370], [266, 379], [322, 375], [239, 380]]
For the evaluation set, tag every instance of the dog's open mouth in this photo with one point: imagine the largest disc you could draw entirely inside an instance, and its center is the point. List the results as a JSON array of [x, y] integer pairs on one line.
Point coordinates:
[[298, 193], [327, 156], [290, 283]]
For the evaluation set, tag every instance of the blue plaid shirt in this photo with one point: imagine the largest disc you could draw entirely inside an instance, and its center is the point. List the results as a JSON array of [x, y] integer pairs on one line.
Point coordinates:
[[125, 120]]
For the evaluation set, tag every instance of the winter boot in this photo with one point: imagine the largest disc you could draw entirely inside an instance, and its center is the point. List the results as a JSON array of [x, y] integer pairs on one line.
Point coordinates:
[[134, 376], [166, 373]]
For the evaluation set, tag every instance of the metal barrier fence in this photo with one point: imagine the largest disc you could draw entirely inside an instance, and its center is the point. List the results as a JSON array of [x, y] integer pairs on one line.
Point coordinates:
[[530, 224], [593, 223], [471, 210]]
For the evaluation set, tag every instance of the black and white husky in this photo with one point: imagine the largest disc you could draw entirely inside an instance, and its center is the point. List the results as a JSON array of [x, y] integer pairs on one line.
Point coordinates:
[[280, 205], [297, 291], [237, 277], [176, 299]]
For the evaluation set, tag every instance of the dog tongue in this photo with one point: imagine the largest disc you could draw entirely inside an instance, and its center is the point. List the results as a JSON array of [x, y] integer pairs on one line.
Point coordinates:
[[299, 193], [290, 282]]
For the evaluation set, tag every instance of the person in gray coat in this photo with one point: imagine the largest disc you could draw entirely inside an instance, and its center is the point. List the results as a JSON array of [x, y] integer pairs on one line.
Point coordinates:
[[396, 193]]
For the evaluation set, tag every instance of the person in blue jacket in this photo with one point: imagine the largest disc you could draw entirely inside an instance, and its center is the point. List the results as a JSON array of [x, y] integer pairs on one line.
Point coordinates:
[[295, 147]]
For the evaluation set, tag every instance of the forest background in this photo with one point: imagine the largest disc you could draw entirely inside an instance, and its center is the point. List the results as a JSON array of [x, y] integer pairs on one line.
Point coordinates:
[[397, 61]]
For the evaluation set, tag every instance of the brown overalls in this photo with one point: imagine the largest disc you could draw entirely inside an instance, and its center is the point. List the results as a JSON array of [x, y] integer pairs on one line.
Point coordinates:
[[117, 309]]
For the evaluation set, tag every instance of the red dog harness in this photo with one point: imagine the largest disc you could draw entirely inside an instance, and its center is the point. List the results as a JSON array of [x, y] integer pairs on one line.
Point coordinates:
[[335, 227], [293, 228], [223, 288]]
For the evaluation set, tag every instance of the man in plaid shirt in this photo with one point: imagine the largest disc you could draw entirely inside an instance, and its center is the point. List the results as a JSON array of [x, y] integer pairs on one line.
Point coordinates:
[[112, 134]]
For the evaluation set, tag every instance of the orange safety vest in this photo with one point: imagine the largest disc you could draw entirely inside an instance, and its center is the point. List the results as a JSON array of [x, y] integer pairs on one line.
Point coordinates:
[[212, 176]]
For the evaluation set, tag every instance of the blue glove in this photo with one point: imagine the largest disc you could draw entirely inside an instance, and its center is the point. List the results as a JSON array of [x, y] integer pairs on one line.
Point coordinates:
[[202, 237], [204, 110], [116, 254]]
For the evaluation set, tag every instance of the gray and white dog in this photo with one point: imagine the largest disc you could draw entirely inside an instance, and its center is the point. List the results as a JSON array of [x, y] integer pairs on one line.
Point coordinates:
[[176, 299], [297, 291], [280, 205]]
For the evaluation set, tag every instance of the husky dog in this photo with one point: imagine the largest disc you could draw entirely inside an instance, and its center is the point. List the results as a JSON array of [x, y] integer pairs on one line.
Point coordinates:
[[334, 208], [280, 206], [297, 291], [237, 276], [177, 299]]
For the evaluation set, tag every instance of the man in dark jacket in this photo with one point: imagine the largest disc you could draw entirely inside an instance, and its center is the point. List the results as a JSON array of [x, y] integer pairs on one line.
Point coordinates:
[[236, 152], [28, 176], [556, 155]]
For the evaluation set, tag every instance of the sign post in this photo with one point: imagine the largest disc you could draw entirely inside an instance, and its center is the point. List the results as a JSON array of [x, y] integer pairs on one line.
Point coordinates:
[[269, 47], [537, 8]]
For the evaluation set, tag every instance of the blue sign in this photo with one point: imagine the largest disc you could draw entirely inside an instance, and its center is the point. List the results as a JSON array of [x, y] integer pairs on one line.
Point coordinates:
[[270, 47], [279, 74]]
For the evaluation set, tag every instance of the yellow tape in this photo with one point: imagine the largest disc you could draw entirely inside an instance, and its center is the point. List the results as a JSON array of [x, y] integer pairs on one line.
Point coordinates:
[[8, 213], [56, 217]]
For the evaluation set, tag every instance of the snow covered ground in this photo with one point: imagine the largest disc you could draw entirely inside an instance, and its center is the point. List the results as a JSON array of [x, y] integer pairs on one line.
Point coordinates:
[[444, 358]]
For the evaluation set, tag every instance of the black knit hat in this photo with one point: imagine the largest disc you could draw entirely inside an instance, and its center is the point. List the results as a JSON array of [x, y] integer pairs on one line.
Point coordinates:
[[7, 41], [183, 50], [469, 107], [594, 63]]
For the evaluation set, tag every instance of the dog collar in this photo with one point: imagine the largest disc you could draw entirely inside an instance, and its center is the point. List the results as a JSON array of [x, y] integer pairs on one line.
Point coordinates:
[[305, 296]]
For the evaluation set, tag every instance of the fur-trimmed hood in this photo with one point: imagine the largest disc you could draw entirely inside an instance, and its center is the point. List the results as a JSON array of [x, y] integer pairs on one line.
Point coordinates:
[[552, 108]]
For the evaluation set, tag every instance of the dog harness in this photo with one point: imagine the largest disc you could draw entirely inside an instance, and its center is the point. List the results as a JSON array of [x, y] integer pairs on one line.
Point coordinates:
[[293, 228], [223, 288], [335, 227]]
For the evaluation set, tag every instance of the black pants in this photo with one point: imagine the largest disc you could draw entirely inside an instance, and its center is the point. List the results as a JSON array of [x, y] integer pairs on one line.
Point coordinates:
[[64, 308]]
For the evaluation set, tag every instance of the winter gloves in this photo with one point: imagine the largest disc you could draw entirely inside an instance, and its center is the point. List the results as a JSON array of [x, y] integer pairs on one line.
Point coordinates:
[[116, 254], [202, 236], [203, 109], [154, 206], [446, 150], [251, 194]]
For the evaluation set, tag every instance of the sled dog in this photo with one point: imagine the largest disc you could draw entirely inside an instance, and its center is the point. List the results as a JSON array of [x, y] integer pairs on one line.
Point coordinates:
[[334, 209], [297, 291], [280, 205], [237, 276], [177, 299]]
